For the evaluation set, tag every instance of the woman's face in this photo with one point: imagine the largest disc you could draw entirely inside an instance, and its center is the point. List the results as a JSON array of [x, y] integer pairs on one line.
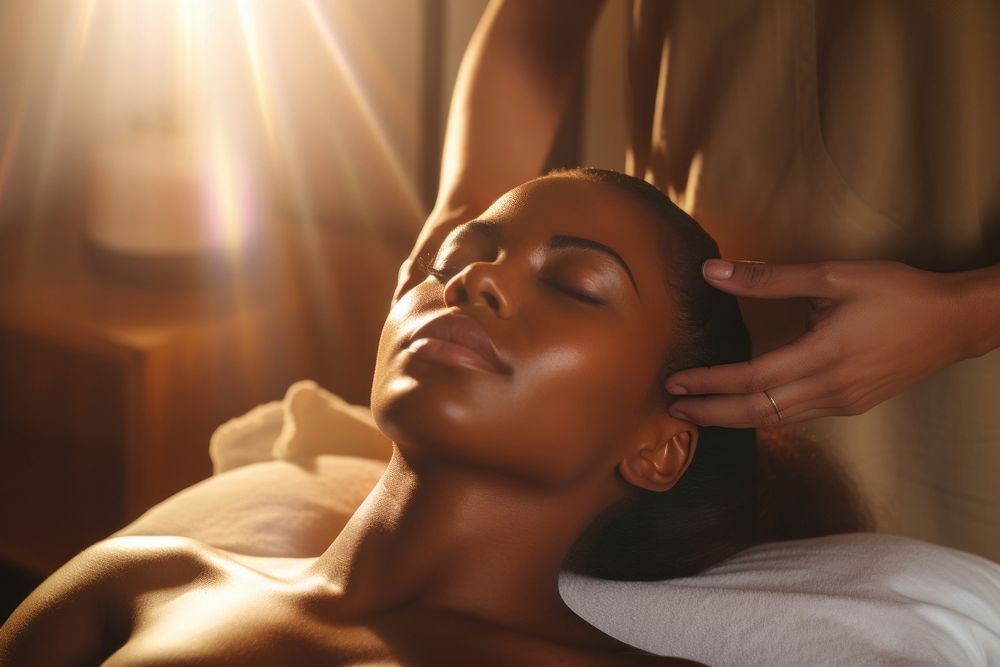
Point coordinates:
[[536, 348]]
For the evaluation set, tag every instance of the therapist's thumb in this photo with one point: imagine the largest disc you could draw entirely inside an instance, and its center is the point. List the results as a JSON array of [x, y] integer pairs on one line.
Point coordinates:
[[768, 281]]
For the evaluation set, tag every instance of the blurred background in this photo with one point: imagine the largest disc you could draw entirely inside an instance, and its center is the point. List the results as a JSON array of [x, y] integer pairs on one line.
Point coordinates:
[[201, 203]]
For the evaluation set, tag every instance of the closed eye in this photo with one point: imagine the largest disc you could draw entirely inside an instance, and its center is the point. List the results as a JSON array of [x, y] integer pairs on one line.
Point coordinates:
[[573, 293], [443, 274]]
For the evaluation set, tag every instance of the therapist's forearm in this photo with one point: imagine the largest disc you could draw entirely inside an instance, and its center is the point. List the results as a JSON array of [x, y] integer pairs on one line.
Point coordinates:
[[512, 89], [978, 295]]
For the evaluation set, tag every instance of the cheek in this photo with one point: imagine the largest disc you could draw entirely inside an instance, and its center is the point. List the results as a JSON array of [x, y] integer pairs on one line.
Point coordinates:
[[387, 377], [383, 358], [573, 398], [577, 407]]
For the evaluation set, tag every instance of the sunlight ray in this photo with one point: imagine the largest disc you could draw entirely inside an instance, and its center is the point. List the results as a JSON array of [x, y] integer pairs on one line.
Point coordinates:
[[11, 141], [83, 30], [339, 59], [184, 11], [248, 23], [297, 215], [55, 126]]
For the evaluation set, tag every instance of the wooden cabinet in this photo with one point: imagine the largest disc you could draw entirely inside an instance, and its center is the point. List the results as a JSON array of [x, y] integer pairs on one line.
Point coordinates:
[[111, 387]]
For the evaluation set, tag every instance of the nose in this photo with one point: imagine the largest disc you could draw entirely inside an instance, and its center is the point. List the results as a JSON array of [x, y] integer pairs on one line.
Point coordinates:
[[482, 284]]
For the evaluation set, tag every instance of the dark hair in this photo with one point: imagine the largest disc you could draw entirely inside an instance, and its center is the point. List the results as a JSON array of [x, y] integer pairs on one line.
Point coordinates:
[[715, 509]]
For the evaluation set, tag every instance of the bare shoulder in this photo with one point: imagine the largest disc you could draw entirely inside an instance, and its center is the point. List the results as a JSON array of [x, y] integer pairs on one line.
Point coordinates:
[[118, 565], [75, 613], [147, 562]]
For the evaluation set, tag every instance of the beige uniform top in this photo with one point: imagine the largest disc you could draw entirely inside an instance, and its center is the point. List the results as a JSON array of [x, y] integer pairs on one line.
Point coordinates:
[[798, 130]]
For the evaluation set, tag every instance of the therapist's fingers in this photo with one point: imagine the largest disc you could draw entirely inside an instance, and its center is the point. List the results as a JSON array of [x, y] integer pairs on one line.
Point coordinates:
[[802, 357], [797, 401], [774, 281], [409, 276], [413, 270]]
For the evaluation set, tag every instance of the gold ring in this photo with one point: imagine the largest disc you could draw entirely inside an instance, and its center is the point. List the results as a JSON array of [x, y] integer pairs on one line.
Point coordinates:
[[773, 404]]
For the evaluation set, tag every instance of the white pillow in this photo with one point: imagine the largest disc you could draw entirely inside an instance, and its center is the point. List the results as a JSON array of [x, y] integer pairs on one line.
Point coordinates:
[[309, 421], [246, 439], [854, 599]]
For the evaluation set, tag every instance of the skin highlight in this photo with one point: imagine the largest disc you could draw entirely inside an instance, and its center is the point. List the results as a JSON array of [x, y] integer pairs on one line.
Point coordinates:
[[494, 473]]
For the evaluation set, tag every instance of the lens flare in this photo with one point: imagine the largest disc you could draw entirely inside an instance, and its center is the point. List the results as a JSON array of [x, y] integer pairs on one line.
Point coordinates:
[[248, 23], [341, 62], [214, 122]]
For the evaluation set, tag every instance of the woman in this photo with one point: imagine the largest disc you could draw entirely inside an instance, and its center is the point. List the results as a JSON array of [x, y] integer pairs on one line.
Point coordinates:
[[822, 137], [522, 385]]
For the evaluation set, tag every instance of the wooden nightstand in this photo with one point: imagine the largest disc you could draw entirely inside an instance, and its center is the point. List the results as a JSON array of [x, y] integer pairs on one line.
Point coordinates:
[[109, 391]]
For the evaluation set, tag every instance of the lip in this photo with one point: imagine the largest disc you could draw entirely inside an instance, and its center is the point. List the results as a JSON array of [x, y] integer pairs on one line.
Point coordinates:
[[457, 340]]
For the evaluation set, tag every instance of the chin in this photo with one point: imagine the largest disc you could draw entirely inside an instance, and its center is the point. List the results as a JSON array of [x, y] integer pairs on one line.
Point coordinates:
[[438, 413], [414, 402], [416, 416], [433, 430]]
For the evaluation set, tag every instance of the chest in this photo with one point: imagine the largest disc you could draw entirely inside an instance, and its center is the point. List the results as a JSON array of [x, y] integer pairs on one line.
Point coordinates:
[[230, 626], [246, 625]]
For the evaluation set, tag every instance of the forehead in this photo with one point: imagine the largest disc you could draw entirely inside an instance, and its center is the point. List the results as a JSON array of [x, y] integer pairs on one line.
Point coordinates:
[[561, 205], [552, 206], [575, 205]]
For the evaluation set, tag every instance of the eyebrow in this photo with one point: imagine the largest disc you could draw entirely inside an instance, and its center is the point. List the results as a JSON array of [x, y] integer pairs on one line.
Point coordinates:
[[488, 228], [564, 241], [494, 231]]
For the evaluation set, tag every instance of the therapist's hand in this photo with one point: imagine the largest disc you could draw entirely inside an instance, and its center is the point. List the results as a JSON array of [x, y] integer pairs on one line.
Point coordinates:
[[437, 227], [874, 329]]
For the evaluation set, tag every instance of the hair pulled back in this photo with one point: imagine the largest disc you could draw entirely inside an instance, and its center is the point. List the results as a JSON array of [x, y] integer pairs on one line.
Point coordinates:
[[717, 508]]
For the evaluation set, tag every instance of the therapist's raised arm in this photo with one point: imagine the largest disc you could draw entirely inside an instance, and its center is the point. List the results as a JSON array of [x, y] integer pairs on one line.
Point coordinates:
[[512, 89], [875, 329]]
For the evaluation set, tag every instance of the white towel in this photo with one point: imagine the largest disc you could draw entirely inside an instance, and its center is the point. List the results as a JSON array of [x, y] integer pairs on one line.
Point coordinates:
[[856, 599], [309, 421]]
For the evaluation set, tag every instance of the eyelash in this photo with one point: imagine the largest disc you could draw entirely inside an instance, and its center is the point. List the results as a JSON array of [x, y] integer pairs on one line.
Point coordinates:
[[444, 274], [572, 293]]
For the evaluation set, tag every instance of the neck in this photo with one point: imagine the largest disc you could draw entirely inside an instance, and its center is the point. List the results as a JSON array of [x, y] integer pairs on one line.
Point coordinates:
[[446, 537]]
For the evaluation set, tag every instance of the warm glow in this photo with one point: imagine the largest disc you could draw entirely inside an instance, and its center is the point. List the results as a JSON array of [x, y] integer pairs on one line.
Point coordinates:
[[211, 101], [10, 145]]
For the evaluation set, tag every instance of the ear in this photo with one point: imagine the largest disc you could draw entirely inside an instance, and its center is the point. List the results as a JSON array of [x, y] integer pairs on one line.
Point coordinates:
[[662, 456]]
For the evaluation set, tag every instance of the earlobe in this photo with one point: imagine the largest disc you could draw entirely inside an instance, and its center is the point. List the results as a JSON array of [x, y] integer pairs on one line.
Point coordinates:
[[659, 464]]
